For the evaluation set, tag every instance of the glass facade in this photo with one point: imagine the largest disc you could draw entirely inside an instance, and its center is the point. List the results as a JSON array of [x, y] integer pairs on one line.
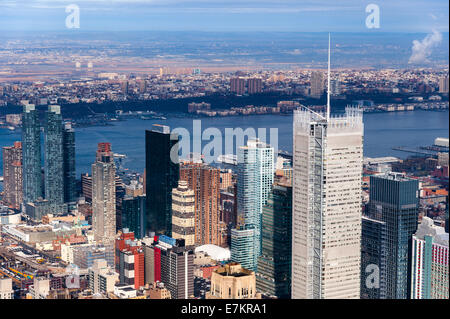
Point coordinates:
[[274, 265], [394, 199], [162, 175], [54, 179], [31, 147], [70, 191], [133, 215]]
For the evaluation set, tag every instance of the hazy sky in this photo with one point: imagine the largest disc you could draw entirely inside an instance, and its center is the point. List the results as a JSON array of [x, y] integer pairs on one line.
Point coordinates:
[[227, 15]]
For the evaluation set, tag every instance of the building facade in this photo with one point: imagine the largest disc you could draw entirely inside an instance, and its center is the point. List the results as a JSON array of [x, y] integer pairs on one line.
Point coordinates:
[[12, 176], [31, 147], [204, 180], [326, 223], [183, 213], [70, 187], [430, 258], [161, 176]]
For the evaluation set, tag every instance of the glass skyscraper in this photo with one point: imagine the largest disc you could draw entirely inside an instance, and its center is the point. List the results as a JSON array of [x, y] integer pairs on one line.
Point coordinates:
[[54, 173], [274, 265], [133, 215], [31, 147], [394, 200], [162, 175], [70, 191], [255, 179]]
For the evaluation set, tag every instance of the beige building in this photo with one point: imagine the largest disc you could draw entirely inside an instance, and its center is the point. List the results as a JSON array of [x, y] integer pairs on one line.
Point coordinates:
[[104, 195], [183, 213], [233, 282], [157, 291], [102, 278], [326, 223], [6, 291]]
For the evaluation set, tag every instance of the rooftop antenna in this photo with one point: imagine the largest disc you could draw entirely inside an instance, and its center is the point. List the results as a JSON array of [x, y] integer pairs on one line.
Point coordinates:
[[328, 89]]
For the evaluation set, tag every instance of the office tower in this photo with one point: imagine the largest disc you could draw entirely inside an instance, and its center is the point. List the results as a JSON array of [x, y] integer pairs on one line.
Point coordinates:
[[177, 267], [86, 187], [335, 87], [152, 259], [104, 195], [430, 258], [394, 201], [204, 180], [443, 84], [326, 225], [133, 215], [254, 183], [129, 260], [70, 187], [373, 258], [12, 175], [254, 86], [124, 87], [232, 281], [317, 84], [31, 147], [54, 168], [162, 175], [237, 85], [183, 216], [102, 278], [326, 212], [6, 290], [274, 265]]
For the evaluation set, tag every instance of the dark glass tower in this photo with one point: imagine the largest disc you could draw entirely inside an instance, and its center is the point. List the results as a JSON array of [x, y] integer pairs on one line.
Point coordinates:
[[394, 200], [70, 190], [133, 215], [54, 168], [31, 147], [274, 265], [162, 174]]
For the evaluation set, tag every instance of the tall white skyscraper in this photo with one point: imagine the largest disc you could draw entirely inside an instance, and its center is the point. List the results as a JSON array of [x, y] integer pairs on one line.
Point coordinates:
[[326, 221], [104, 196], [255, 179]]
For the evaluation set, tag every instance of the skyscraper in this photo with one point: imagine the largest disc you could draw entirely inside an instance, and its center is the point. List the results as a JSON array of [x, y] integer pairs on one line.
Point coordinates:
[[443, 84], [104, 195], [317, 84], [162, 175], [183, 217], [204, 180], [54, 166], [70, 190], [326, 222], [254, 86], [394, 201], [31, 147], [12, 175], [274, 265], [254, 181], [430, 258], [133, 215]]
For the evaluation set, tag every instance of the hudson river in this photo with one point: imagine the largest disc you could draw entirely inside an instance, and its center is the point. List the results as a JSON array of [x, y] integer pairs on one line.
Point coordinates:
[[383, 131]]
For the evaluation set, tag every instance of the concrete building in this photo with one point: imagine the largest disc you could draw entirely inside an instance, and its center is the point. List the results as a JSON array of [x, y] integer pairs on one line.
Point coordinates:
[[317, 86], [204, 180], [6, 290], [233, 282], [102, 278], [430, 258], [183, 213], [12, 176], [326, 223], [104, 196]]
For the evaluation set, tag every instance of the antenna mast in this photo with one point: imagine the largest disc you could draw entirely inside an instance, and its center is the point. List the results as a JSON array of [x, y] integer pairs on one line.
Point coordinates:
[[329, 80]]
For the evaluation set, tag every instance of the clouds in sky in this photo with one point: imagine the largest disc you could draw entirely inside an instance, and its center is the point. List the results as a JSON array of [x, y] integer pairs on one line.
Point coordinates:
[[421, 50]]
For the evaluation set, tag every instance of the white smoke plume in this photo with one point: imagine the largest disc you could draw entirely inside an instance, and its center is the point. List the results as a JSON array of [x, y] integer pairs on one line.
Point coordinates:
[[421, 50]]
